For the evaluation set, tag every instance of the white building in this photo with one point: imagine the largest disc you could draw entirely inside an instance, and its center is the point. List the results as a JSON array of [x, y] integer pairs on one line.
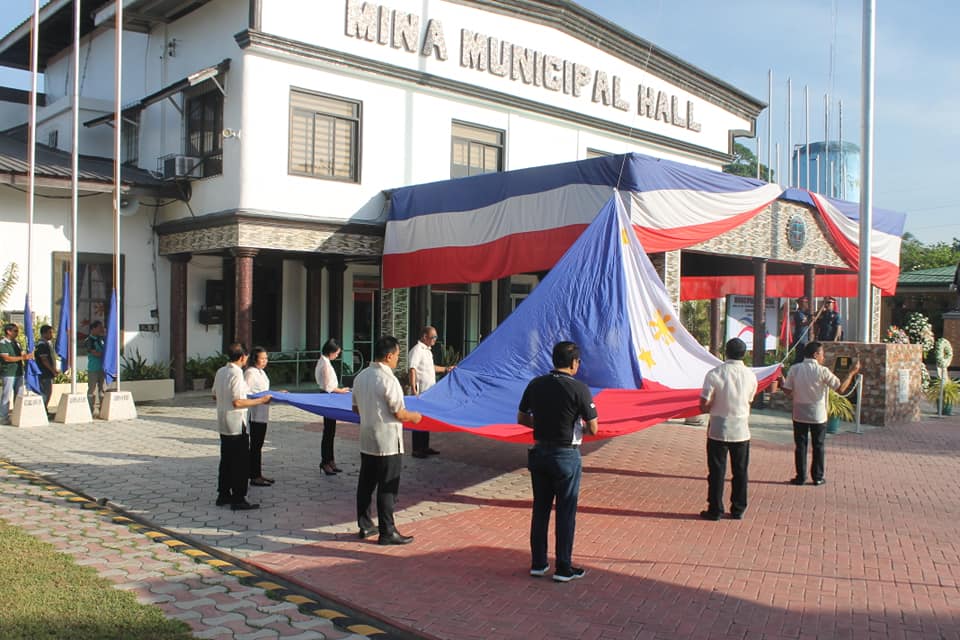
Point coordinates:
[[275, 129]]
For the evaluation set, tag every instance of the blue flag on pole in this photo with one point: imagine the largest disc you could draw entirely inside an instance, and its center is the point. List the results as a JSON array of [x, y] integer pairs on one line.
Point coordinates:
[[110, 363], [31, 370], [62, 346]]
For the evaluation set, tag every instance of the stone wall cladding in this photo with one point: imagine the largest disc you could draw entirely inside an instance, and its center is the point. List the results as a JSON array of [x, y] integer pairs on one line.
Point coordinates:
[[765, 236], [261, 235], [394, 305]]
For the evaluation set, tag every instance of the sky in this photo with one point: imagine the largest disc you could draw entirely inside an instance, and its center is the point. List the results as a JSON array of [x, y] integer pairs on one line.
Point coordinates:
[[814, 43]]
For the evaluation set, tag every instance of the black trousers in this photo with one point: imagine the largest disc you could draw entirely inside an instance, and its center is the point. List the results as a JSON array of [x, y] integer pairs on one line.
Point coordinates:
[[383, 474], [802, 431], [717, 452], [420, 440], [258, 433], [326, 443], [234, 462]]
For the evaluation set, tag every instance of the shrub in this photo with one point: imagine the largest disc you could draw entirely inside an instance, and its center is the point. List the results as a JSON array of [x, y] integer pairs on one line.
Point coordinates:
[[136, 367]]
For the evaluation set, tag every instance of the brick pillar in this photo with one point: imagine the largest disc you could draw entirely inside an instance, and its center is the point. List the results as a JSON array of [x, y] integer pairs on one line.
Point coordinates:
[[243, 294], [335, 300], [759, 310], [178, 318], [314, 303]]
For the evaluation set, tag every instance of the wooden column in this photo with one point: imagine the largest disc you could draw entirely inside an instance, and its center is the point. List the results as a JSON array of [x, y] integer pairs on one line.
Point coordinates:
[[503, 299], [335, 300], [809, 284], [178, 318], [314, 303], [716, 326], [759, 310], [243, 295]]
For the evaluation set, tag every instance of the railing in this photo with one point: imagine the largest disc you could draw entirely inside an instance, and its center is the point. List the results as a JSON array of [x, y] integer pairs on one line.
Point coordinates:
[[294, 370]]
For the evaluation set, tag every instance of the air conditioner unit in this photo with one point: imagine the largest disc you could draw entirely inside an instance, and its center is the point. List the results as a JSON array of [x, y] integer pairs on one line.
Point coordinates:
[[182, 167]]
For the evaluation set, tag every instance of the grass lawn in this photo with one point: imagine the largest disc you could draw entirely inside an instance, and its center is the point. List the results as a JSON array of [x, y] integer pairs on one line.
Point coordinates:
[[44, 595]]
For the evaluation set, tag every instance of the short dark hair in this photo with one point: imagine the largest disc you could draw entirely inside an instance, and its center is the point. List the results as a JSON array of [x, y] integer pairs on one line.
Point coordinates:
[[811, 349], [45, 328], [255, 352], [96, 324], [735, 349], [236, 352], [384, 347], [329, 347], [9, 327], [564, 353]]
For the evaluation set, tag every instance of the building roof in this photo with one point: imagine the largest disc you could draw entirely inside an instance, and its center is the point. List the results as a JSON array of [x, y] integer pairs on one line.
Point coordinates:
[[56, 25], [95, 172], [936, 277]]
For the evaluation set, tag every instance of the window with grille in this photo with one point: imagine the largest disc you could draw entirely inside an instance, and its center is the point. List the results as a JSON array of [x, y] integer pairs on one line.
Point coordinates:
[[130, 138], [475, 150], [324, 136], [204, 119]]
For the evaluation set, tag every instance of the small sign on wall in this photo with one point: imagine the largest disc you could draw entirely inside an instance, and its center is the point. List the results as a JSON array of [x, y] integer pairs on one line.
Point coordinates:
[[903, 386]]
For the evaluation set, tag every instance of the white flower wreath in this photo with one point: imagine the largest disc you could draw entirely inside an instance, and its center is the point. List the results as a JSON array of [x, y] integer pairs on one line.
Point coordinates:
[[943, 352]]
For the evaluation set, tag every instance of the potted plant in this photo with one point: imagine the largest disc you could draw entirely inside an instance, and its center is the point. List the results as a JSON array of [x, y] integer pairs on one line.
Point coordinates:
[[839, 408], [951, 394], [196, 371]]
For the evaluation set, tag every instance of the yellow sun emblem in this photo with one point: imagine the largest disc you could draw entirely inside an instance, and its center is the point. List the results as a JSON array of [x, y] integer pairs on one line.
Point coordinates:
[[662, 329], [623, 236]]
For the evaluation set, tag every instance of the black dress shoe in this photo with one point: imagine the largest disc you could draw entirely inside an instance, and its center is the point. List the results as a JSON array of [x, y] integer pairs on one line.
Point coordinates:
[[244, 506], [394, 538], [223, 501], [366, 533], [420, 454], [430, 451], [796, 481], [709, 515], [819, 482], [736, 516]]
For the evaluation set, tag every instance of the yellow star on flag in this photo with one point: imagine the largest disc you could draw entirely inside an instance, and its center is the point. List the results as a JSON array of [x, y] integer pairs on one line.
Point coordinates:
[[647, 356], [623, 236], [661, 329]]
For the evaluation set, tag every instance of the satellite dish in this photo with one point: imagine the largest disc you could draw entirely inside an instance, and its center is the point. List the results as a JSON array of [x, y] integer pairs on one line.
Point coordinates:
[[129, 206]]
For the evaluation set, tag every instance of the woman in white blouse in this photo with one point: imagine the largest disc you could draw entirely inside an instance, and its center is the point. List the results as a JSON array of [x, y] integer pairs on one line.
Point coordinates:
[[257, 380], [327, 381]]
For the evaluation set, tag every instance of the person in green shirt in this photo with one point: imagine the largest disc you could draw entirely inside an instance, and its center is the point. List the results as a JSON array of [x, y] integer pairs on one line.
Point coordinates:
[[95, 346], [11, 368]]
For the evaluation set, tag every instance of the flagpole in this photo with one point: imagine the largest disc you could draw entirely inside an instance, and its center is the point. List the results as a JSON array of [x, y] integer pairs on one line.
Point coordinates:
[[32, 153], [789, 182], [866, 169], [769, 122], [74, 197], [118, 126], [843, 165], [806, 133]]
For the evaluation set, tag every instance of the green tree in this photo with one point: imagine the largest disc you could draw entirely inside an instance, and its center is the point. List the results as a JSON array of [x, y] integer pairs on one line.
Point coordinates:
[[745, 164], [695, 316], [916, 255]]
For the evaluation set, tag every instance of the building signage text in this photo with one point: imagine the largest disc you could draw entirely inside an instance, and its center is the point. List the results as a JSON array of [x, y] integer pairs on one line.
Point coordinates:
[[484, 53]]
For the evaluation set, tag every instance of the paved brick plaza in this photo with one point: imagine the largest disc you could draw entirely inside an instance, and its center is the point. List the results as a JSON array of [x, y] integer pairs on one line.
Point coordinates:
[[873, 553]]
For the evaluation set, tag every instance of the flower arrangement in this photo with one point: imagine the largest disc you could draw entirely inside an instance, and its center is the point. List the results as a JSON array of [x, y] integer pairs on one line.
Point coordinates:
[[896, 335], [942, 353], [920, 331]]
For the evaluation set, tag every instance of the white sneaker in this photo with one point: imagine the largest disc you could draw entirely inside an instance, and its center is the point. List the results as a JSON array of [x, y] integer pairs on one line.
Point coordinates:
[[542, 571]]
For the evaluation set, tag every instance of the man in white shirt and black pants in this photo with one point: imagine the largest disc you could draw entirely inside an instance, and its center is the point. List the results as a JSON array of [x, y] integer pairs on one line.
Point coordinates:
[[807, 384], [231, 391], [727, 393], [423, 375]]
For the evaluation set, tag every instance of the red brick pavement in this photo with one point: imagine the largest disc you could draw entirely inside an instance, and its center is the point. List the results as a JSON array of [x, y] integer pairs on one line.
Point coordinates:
[[874, 553]]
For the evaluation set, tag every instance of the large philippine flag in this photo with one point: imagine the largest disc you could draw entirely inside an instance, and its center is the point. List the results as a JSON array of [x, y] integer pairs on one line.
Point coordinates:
[[642, 366]]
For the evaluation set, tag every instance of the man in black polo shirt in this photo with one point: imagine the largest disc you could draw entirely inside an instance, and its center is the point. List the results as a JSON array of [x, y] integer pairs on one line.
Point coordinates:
[[559, 409]]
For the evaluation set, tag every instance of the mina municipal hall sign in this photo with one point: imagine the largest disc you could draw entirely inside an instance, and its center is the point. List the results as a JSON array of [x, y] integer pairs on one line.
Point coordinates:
[[513, 62]]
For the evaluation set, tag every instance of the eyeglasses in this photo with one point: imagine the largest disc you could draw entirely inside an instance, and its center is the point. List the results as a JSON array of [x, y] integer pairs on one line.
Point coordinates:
[[433, 337]]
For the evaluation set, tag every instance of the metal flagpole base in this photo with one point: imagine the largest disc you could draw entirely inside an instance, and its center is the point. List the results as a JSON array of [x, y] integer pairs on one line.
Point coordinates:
[[29, 411], [118, 405], [73, 409]]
